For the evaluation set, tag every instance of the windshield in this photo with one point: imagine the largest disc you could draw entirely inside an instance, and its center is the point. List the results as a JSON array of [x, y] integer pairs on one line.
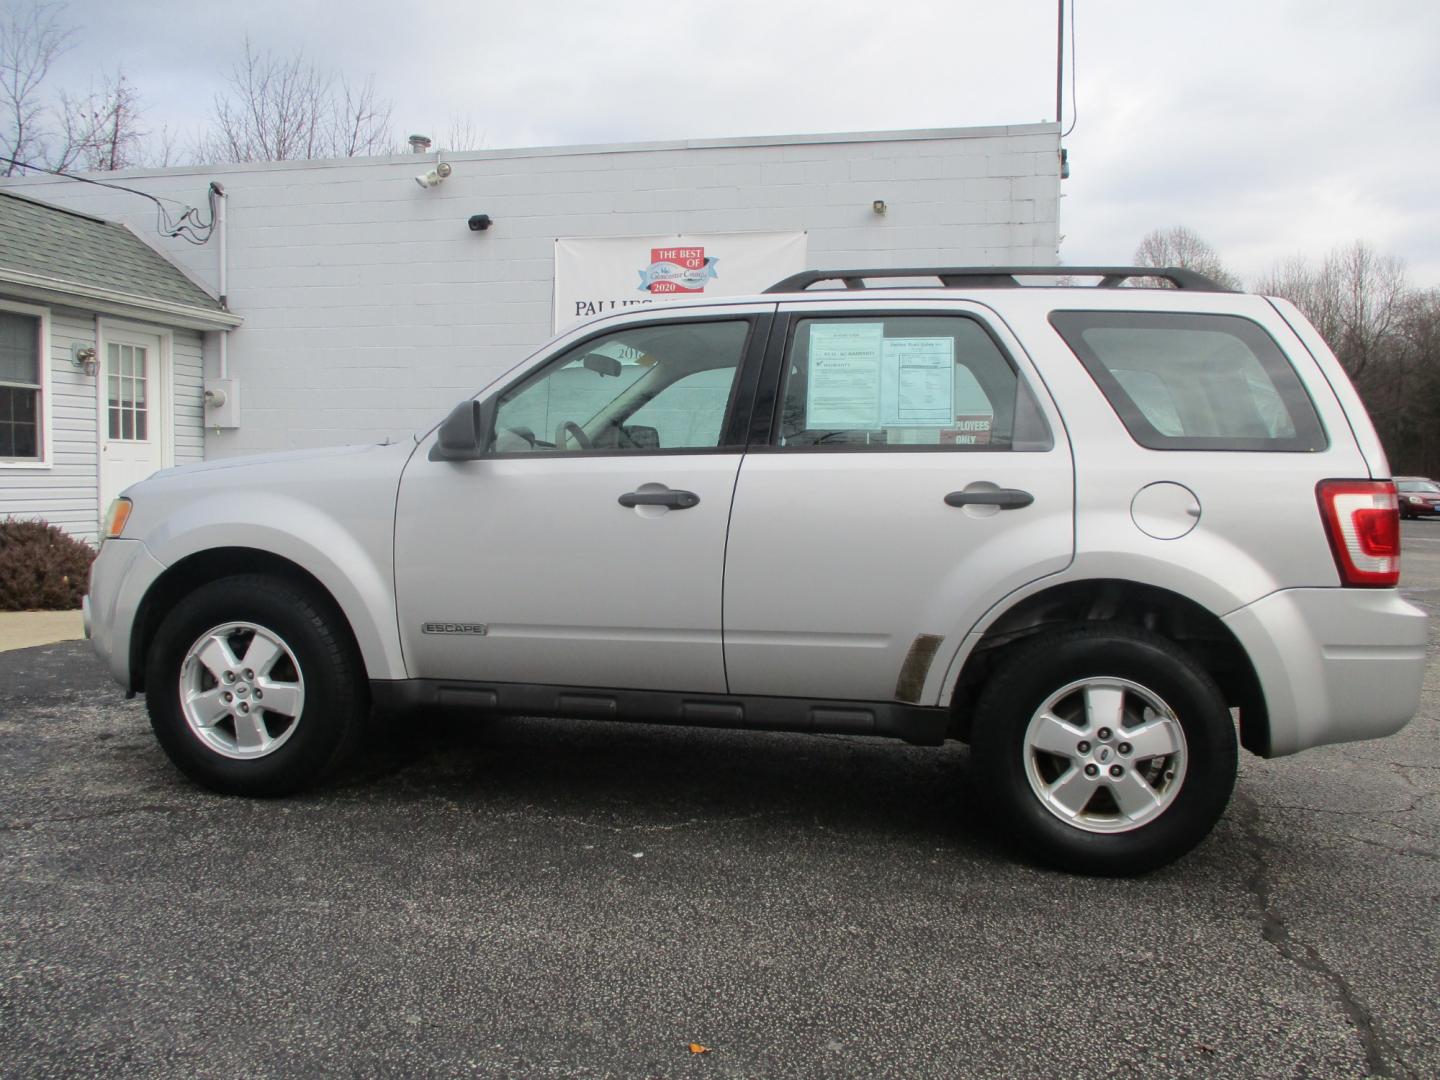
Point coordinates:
[[1418, 485]]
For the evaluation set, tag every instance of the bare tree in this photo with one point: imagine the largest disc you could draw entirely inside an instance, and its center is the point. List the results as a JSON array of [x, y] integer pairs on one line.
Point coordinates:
[[362, 121], [101, 131], [1401, 385], [32, 37], [462, 134], [1417, 449], [1179, 246], [1386, 335], [271, 112], [98, 130], [1355, 297], [1372, 295], [162, 152], [286, 108]]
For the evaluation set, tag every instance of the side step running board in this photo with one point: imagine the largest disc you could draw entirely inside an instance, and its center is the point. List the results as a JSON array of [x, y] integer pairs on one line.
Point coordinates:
[[913, 723]]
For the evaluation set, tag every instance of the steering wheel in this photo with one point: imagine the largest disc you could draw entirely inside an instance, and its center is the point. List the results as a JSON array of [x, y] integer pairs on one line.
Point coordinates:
[[569, 427]]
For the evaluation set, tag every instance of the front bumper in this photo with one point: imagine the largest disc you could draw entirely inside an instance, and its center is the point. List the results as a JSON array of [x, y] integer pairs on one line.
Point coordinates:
[[1335, 665], [122, 573]]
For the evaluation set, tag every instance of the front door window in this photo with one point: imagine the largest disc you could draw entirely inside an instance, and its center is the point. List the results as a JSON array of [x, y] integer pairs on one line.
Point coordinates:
[[126, 377], [644, 388]]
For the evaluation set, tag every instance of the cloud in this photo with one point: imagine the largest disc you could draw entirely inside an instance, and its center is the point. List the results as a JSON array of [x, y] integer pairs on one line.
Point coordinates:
[[1307, 130], [1269, 128]]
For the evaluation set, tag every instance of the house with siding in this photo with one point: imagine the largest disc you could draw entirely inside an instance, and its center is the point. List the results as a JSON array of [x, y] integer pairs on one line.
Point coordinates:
[[101, 344]]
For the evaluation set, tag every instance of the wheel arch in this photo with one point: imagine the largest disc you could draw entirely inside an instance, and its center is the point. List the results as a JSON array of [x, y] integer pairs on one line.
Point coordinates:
[[1192, 627], [189, 573]]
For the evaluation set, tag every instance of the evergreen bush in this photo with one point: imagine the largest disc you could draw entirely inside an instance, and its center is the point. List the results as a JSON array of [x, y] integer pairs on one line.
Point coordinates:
[[41, 567]]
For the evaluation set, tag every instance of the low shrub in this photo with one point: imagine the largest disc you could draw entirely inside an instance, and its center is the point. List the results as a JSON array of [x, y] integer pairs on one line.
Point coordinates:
[[41, 567]]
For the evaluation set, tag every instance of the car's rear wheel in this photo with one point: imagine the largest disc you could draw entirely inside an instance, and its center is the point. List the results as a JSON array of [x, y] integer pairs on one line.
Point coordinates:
[[1105, 749], [254, 686]]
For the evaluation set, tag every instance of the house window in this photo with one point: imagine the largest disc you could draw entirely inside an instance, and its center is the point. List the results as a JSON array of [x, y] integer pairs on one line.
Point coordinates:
[[21, 434]]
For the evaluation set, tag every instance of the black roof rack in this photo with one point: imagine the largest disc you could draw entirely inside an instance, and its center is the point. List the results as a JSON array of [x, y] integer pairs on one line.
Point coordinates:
[[1003, 277]]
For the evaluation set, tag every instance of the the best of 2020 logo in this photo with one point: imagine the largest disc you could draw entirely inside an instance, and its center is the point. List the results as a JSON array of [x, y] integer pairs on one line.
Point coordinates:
[[677, 270]]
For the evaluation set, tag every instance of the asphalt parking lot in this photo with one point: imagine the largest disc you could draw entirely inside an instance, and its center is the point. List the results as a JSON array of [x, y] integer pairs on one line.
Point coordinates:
[[544, 898]]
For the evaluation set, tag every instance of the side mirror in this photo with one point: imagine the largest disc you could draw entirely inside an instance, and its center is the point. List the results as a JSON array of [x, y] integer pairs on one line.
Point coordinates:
[[639, 437], [464, 434]]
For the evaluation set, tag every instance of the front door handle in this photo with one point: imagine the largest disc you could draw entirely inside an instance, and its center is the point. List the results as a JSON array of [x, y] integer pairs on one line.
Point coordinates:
[[673, 500], [1004, 498]]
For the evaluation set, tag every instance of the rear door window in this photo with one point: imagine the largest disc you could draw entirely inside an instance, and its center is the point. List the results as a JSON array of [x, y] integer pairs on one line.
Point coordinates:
[[1194, 382], [904, 382]]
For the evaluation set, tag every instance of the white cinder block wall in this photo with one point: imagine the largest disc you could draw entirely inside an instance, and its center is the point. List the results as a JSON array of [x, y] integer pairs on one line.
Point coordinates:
[[370, 307]]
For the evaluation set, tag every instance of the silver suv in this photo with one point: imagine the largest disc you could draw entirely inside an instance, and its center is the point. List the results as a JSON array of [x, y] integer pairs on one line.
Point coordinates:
[[1101, 533]]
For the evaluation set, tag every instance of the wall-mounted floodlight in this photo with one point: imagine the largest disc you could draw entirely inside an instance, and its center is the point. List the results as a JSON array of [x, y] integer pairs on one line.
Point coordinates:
[[434, 176], [480, 222]]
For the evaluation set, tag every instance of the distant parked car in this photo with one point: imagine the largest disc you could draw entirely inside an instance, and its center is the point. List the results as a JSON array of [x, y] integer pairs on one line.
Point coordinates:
[[1418, 496]]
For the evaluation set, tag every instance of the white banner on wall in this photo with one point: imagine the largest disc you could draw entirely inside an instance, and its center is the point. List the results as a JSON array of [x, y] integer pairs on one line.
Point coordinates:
[[598, 275]]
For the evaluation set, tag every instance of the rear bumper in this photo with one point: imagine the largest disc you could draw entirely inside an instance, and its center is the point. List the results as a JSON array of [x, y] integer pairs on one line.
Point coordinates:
[[1335, 665]]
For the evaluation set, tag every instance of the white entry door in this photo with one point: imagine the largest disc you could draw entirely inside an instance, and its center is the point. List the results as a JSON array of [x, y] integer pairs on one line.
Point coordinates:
[[135, 430]]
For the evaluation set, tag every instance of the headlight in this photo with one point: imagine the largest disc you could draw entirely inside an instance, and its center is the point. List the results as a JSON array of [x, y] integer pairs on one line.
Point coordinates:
[[1416, 499], [115, 518]]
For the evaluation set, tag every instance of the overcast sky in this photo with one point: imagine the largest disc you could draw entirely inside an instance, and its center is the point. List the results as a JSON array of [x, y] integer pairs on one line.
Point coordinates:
[[1271, 128]]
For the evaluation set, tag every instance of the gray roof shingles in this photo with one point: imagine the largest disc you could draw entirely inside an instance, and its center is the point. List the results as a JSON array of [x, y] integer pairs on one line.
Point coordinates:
[[38, 238]]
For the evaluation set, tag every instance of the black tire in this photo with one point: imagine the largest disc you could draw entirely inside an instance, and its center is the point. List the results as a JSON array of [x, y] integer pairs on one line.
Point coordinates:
[[1194, 788], [321, 656]]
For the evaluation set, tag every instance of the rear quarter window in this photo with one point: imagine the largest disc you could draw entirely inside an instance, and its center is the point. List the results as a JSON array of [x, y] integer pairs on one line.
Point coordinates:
[[1194, 382]]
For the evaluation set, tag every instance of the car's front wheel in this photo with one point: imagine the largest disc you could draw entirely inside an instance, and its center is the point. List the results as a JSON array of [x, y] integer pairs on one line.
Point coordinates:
[[253, 686], [1105, 749]]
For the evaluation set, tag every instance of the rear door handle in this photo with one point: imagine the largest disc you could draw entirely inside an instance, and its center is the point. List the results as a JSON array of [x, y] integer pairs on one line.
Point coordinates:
[[1004, 498], [674, 500]]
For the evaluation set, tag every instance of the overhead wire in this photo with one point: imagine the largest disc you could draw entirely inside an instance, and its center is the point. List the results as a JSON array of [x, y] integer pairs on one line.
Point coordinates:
[[187, 226], [1074, 100]]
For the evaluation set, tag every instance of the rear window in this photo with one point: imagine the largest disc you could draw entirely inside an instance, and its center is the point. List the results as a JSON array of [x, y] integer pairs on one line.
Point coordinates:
[[1194, 382]]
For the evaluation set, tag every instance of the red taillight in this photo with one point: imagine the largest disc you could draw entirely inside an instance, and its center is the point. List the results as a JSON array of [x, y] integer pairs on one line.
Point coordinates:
[[1362, 520]]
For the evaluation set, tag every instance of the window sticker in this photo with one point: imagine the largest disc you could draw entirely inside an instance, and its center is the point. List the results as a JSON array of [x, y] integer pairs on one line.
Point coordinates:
[[917, 382], [843, 383], [968, 431], [626, 354]]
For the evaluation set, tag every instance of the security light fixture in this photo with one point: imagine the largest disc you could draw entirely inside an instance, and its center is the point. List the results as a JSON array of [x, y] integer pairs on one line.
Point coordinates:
[[434, 176], [83, 357], [879, 206], [480, 222]]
